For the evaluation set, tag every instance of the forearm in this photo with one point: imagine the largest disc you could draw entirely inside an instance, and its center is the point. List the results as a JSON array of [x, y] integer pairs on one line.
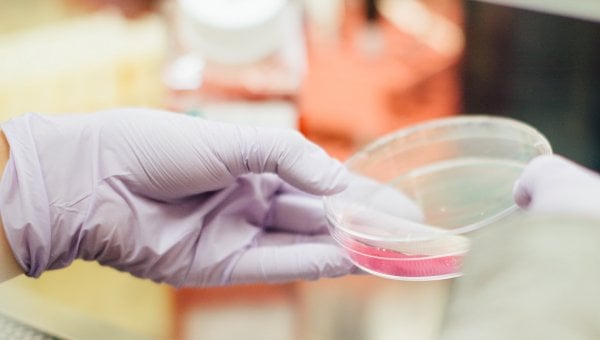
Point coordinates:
[[9, 267]]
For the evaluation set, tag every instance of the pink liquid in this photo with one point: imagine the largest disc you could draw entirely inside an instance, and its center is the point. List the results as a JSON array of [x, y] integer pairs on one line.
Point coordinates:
[[398, 264]]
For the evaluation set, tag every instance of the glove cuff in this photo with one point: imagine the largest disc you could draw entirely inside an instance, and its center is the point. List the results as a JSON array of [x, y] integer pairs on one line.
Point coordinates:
[[23, 200]]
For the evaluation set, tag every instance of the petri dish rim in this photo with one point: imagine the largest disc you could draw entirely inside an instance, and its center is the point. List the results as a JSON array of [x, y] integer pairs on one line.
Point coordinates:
[[451, 121], [456, 231], [543, 144], [409, 278]]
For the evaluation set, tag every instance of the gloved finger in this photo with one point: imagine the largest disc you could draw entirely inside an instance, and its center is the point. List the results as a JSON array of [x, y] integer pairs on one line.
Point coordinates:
[[525, 186], [424, 239], [278, 238], [368, 193], [363, 195], [177, 155], [297, 212], [375, 207], [277, 262], [521, 193], [287, 153], [555, 184]]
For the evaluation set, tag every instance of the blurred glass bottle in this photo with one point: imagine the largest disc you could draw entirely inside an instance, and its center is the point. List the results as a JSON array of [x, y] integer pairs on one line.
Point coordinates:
[[239, 61]]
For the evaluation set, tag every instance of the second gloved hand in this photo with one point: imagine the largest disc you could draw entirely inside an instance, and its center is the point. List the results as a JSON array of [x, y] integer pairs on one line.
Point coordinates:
[[168, 197], [553, 184]]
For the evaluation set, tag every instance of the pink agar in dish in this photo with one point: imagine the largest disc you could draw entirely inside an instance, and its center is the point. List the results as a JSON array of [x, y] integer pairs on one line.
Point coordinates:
[[394, 263]]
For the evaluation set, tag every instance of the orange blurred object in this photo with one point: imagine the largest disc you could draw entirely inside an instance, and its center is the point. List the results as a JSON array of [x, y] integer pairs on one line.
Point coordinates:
[[351, 96], [129, 8], [196, 309]]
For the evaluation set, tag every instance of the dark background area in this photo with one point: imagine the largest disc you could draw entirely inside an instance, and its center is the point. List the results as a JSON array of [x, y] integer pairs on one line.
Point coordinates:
[[539, 68]]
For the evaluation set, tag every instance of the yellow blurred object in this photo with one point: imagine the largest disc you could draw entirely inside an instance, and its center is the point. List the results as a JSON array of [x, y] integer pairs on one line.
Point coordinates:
[[84, 64], [87, 301], [16, 15]]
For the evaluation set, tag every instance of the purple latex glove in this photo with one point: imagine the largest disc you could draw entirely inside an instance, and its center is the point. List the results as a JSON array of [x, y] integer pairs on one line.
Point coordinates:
[[553, 184], [168, 197]]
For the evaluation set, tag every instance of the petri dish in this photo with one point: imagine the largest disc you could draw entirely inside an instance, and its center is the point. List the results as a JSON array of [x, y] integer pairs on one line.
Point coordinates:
[[417, 195]]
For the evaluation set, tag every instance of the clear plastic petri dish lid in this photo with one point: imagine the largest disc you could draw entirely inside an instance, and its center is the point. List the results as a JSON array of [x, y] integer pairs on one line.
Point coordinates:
[[418, 193]]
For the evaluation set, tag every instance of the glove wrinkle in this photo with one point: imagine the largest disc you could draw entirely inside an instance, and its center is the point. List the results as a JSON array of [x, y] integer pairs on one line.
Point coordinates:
[[26, 218]]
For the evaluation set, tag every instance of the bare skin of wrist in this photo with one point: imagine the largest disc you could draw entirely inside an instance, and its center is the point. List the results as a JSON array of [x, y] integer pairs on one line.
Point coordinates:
[[9, 267]]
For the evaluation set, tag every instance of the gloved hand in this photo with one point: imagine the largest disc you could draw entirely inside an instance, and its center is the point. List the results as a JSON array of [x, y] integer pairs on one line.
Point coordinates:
[[168, 197], [553, 184]]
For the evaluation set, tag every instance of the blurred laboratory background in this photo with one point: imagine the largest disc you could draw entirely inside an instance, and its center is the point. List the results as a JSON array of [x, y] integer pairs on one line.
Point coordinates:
[[343, 72]]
